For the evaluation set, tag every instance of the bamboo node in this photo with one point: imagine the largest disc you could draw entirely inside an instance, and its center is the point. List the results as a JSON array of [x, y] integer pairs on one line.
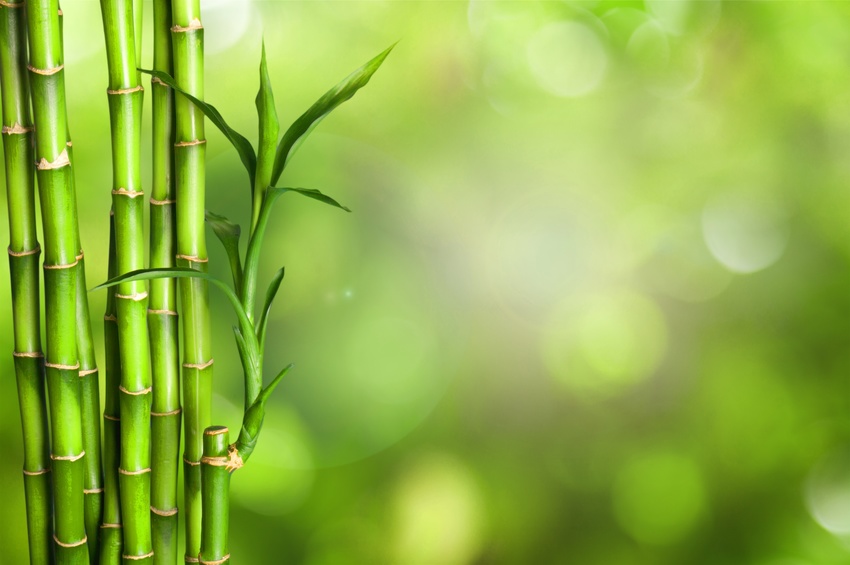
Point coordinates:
[[192, 258], [60, 366], [198, 365], [70, 458], [190, 143], [166, 312], [193, 25], [62, 160], [110, 318], [162, 414], [216, 432], [87, 372], [92, 490], [45, 72], [142, 392], [158, 512], [34, 251], [73, 544], [139, 472], [232, 461], [128, 193], [36, 473], [135, 297], [108, 525], [31, 354], [59, 267], [191, 463], [137, 557], [155, 80], [11, 4], [69, 143], [189, 559], [155, 202], [111, 417], [81, 256], [224, 559], [16, 128], [125, 90]]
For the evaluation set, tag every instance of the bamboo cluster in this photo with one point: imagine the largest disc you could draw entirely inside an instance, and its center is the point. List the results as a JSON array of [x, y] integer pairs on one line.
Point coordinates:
[[109, 493]]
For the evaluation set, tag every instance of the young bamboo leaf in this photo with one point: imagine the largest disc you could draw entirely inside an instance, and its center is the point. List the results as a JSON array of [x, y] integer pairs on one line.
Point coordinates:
[[242, 145], [228, 233], [302, 127], [312, 193], [269, 133], [264, 317], [252, 421], [251, 366]]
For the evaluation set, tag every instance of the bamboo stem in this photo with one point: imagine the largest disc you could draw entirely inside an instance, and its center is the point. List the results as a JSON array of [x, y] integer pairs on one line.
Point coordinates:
[[125, 111], [162, 315], [189, 154], [59, 213], [111, 537], [24, 251], [216, 493]]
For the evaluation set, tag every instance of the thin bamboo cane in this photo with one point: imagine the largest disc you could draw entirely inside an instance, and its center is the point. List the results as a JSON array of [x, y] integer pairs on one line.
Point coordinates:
[[189, 154], [23, 266], [125, 111], [162, 315], [111, 537], [59, 214], [216, 493]]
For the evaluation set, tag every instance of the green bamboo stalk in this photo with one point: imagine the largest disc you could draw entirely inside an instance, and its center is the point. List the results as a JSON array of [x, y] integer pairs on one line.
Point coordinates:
[[111, 538], [162, 315], [23, 267], [189, 154], [90, 386], [59, 219], [216, 493], [125, 95]]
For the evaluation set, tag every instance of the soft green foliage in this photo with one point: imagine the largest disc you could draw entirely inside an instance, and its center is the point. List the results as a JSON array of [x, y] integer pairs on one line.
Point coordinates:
[[228, 234]]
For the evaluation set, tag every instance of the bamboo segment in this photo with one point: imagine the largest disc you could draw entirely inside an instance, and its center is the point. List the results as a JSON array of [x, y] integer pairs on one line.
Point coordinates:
[[216, 493], [189, 155], [59, 214], [111, 537], [162, 315], [125, 112], [24, 252]]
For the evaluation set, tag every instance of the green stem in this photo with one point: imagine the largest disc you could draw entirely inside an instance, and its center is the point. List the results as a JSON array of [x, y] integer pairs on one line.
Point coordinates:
[[125, 111], [59, 214], [189, 154], [162, 315], [23, 267], [111, 538], [216, 493]]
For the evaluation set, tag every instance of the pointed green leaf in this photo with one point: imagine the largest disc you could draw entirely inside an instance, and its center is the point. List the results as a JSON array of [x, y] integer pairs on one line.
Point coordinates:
[[242, 145], [267, 392], [302, 127], [314, 194], [264, 317], [228, 233], [269, 125], [251, 366]]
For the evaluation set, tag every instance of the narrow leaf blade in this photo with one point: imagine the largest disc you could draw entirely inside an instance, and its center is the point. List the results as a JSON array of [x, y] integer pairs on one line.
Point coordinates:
[[302, 127], [242, 145], [269, 125], [228, 233], [314, 194], [271, 292]]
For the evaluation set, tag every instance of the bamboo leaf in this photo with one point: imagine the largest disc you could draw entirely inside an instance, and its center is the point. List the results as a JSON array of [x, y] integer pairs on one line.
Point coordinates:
[[252, 421], [312, 193], [274, 286], [302, 127], [250, 365], [228, 233], [269, 125], [242, 145]]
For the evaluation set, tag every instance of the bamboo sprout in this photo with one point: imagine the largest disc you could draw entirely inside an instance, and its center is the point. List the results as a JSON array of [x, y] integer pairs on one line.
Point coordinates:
[[59, 219], [23, 266], [125, 111], [189, 154], [162, 315]]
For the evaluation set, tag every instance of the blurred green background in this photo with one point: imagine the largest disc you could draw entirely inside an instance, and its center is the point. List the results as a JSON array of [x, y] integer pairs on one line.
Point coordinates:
[[591, 306]]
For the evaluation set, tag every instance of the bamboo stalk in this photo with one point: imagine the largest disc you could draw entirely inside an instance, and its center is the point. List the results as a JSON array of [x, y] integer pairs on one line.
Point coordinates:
[[189, 154], [59, 218], [111, 538], [162, 315], [216, 493], [23, 266], [125, 111]]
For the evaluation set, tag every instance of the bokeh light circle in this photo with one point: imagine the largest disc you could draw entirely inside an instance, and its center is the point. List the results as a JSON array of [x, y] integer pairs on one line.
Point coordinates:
[[692, 17], [827, 492], [567, 59], [659, 498]]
